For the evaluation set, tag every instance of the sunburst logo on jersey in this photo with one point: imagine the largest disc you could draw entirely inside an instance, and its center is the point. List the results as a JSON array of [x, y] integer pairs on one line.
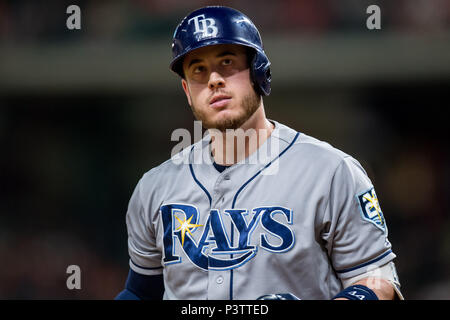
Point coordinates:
[[370, 208], [186, 225], [374, 205]]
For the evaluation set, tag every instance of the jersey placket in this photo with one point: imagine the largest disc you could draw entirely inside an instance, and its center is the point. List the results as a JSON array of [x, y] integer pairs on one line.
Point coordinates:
[[219, 280]]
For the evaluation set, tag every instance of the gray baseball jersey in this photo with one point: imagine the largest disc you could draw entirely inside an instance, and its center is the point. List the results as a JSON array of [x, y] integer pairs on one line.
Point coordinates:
[[296, 221]]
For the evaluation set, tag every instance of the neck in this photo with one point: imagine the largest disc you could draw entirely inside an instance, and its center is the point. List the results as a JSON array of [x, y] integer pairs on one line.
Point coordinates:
[[233, 146]]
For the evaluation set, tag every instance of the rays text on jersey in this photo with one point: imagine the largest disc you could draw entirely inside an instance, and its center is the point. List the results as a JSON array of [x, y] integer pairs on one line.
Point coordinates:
[[215, 248]]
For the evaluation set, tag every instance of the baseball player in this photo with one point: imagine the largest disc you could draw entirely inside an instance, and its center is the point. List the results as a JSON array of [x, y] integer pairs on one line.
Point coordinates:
[[220, 221]]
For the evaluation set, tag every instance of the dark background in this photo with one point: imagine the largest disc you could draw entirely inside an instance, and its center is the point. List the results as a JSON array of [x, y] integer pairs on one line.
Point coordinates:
[[85, 113]]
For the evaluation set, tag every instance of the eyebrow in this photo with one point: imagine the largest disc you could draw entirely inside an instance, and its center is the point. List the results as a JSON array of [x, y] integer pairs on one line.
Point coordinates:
[[220, 55]]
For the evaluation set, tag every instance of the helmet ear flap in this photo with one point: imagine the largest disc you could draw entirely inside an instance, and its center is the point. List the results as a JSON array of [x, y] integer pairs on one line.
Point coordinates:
[[260, 73]]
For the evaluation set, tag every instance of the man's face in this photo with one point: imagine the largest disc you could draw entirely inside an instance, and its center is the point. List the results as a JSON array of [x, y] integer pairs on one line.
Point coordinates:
[[218, 86]]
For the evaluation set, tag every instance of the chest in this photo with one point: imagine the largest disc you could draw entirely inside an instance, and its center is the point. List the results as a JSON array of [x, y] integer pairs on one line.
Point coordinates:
[[222, 223]]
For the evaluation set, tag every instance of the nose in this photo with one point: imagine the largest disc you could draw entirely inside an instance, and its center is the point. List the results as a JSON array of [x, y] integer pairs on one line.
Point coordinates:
[[216, 81]]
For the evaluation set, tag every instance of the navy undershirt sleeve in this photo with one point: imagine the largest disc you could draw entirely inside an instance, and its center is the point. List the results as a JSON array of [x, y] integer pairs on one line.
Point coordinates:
[[139, 286]]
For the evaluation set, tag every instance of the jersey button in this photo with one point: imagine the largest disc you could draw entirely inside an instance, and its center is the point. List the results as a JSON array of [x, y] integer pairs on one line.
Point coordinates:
[[219, 280]]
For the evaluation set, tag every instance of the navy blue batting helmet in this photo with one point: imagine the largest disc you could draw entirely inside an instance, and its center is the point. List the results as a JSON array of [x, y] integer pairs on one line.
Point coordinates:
[[221, 25]]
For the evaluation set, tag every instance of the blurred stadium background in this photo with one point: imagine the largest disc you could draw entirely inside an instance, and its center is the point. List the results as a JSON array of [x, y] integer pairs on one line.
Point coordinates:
[[83, 114]]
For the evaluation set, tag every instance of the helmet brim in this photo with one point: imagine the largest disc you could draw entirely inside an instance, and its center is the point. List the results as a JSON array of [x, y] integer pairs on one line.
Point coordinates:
[[177, 63]]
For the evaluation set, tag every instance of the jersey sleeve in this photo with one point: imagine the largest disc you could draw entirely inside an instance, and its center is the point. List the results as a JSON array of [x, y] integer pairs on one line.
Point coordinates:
[[356, 236], [145, 258]]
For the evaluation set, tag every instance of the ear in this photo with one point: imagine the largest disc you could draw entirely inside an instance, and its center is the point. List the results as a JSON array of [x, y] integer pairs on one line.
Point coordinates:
[[184, 84]]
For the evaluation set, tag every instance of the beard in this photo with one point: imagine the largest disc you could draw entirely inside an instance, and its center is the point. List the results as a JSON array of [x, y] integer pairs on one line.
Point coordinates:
[[250, 103]]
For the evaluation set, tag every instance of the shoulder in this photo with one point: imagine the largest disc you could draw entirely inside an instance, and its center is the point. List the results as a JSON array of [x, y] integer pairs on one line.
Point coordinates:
[[341, 167], [319, 147], [320, 153], [304, 145], [326, 155], [314, 155]]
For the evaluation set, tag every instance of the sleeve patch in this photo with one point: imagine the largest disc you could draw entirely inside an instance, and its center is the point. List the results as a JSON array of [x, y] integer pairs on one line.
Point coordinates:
[[370, 208]]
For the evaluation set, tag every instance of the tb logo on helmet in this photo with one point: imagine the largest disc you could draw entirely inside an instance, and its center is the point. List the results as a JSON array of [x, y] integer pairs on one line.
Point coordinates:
[[206, 26]]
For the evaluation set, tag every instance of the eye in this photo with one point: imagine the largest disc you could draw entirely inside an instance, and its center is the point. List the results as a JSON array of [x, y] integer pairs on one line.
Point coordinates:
[[198, 69], [227, 62]]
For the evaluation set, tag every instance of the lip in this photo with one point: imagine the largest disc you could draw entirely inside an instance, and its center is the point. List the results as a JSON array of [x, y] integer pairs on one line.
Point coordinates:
[[220, 100]]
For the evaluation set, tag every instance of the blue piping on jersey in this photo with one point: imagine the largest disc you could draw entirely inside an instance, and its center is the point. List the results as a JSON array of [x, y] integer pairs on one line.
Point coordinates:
[[265, 167], [198, 182], [366, 263], [155, 268], [239, 191]]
